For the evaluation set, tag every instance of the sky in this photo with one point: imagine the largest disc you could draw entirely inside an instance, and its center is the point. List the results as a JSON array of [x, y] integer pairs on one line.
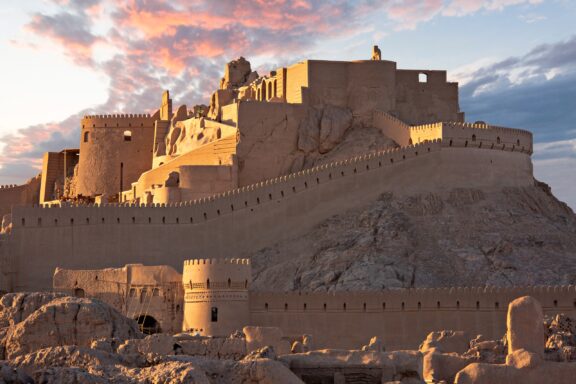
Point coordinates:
[[515, 61]]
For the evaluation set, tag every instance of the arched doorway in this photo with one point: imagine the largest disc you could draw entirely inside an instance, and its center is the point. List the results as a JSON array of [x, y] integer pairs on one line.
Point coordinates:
[[79, 292], [148, 325]]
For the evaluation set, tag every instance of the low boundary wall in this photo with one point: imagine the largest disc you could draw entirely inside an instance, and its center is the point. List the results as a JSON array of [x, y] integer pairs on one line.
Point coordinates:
[[401, 318]]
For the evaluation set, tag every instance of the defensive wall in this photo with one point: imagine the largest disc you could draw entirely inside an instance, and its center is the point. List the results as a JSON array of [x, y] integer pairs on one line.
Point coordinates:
[[114, 151], [12, 195], [415, 96], [401, 318], [455, 134], [242, 221]]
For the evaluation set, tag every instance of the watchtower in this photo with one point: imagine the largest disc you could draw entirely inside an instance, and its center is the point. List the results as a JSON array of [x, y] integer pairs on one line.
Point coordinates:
[[216, 295]]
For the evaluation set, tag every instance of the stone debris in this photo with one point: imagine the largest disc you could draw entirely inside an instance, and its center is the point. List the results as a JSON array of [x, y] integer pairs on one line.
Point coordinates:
[[68, 321], [90, 352]]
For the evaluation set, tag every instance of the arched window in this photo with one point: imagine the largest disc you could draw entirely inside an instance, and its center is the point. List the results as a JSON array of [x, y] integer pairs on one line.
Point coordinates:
[[229, 282], [498, 140], [269, 90], [127, 135], [275, 88], [422, 78], [473, 137], [263, 92], [86, 136], [208, 283]]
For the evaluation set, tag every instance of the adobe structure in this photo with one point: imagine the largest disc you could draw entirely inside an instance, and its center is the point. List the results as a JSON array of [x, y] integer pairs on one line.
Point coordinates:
[[266, 161], [213, 297]]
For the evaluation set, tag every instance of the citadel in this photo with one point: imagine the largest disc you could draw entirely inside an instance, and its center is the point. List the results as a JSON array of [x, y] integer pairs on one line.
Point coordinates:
[[160, 214]]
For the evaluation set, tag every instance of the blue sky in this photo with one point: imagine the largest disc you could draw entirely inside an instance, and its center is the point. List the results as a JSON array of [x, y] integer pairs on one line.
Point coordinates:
[[515, 60]]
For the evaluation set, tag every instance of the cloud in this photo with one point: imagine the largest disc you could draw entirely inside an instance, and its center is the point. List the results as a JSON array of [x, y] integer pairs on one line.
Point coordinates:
[[535, 91], [183, 45]]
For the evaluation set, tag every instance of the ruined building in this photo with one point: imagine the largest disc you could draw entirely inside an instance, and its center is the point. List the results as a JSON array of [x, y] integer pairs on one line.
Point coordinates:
[[269, 159]]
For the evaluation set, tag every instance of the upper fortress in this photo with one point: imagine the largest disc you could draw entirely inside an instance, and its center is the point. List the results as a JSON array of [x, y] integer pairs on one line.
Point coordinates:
[[268, 159]]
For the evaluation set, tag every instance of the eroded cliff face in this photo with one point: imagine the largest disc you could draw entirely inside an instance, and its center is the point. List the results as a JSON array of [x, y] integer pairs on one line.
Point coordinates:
[[467, 237]]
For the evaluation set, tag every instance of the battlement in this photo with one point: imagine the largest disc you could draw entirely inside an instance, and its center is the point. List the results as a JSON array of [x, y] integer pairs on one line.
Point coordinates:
[[119, 120], [8, 186], [217, 261], [413, 299], [120, 116], [247, 197], [455, 134]]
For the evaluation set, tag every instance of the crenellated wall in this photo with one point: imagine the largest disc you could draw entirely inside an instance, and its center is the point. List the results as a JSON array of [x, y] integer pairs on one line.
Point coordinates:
[[401, 318], [13, 195], [454, 134], [242, 221]]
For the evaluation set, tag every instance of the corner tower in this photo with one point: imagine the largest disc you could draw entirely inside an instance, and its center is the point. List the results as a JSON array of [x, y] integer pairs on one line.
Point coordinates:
[[114, 151], [216, 295]]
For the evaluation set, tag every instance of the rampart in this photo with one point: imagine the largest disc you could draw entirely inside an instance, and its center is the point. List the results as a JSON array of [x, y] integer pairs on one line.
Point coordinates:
[[401, 318], [242, 221], [12, 195], [455, 134]]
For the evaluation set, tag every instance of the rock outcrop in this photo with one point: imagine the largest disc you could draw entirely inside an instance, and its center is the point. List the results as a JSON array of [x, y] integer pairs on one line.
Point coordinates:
[[464, 237], [68, 321]]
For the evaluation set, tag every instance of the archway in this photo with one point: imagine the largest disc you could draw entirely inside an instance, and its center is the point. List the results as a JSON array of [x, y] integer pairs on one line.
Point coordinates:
[[148, 325], [79, 292]]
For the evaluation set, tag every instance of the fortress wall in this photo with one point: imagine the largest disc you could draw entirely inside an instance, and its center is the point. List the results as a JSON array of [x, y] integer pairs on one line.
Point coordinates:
[[268, 139], [52, 170], [108, 163], [218, 152], [327, 82], [296, 79], [240, 222], [474, 134], [421, 103], [401, 318], [371, 86], [427, 132], [16, 195], [10, 195], [392, 127], [200, 181], [229, 115]]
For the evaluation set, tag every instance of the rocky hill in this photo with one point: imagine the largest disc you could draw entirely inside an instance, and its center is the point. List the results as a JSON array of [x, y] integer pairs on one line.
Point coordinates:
[[467, 237]]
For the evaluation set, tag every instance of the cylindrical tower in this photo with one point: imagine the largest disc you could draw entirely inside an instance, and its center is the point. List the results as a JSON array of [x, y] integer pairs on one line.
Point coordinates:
[[114, 151], [216, 295]]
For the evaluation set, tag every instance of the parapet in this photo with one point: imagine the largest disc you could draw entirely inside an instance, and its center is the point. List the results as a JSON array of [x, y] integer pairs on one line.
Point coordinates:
[[221, 274], [216, 261], [118, 120]]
